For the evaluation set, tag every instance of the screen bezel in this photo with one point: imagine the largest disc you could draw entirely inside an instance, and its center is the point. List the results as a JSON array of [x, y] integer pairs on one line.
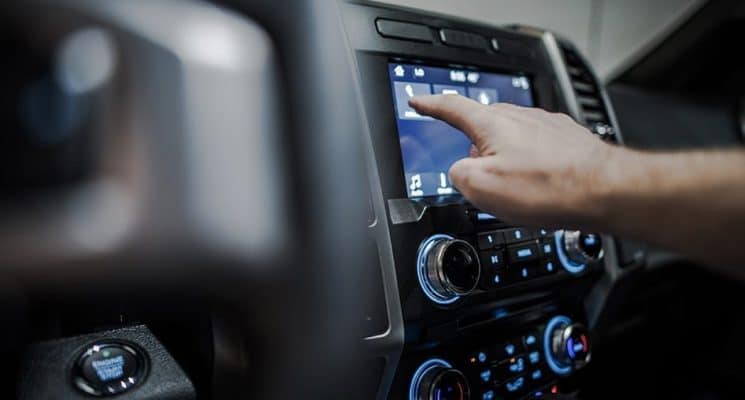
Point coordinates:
[[456, 197]]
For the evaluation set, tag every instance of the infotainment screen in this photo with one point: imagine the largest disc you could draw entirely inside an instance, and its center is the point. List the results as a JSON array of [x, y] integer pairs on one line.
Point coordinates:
[[428, 146]]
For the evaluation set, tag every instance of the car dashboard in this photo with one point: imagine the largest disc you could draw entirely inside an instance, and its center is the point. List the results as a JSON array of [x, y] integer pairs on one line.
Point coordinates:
[[485, 309], [246, 206]]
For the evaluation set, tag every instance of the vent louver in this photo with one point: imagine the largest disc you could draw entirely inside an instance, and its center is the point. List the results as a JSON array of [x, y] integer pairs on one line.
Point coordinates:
[[592, 108]]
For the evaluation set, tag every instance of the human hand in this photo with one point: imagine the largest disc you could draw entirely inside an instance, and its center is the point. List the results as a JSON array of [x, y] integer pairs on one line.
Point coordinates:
[[527, 166]]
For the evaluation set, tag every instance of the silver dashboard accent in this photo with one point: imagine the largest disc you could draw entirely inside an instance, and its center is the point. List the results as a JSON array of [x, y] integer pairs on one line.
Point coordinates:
[[403, 211], [601, 90], [387, 345], [553, 43], [438, 278], [562, 74]]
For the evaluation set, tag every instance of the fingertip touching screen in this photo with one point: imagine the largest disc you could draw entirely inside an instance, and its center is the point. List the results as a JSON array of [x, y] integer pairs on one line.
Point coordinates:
[[429, 146]]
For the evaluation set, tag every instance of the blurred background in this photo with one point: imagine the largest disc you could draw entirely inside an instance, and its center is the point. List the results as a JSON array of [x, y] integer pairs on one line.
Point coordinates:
[[611, 34]]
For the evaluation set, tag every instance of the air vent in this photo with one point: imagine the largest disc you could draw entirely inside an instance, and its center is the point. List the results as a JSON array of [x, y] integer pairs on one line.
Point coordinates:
[[592, 108]]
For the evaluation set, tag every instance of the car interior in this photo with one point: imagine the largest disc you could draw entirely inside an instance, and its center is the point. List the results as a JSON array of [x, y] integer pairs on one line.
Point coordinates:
[[232, 199]]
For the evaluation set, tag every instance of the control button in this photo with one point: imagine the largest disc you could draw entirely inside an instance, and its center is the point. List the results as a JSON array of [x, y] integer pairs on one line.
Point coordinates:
[[536, 375], [567, 345], [109, 368], [544, 233], [546, 249], [515, 235], [534, 357], [516, 365], [485, 375], [488, 395], [544, 392], [495, 44], [490, 240], [447, 268], [549, 267], [522, 253], [507, 350], [499, 279], [403, 30], [603, 130], [492, 260], [456, 38], [492, 268], [478, 358], [515, 386], [545, 268], [530, 341], [508, 369]]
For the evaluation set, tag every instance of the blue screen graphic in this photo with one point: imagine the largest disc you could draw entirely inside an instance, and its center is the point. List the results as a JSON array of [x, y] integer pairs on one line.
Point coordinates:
[[428, 146]]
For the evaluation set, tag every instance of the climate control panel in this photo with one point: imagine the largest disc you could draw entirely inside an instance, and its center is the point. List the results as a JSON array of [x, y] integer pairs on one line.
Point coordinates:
[[525, 366]]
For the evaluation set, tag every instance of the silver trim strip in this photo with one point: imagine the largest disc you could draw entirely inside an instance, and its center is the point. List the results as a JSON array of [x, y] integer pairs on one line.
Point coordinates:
[[389, 344], [602, 92], [562, 75]]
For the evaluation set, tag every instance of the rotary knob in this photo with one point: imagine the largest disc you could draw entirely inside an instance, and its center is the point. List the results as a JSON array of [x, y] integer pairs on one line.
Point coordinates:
[[567, 345], [571, 345], [437, 380], [577, 249], [448, 268]]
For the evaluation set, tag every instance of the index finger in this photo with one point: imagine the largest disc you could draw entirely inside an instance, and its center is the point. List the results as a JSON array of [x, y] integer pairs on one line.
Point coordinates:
[[460, 112]]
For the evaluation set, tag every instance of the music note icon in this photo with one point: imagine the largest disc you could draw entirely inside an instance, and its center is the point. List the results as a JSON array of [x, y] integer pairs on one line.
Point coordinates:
[[416, 186]]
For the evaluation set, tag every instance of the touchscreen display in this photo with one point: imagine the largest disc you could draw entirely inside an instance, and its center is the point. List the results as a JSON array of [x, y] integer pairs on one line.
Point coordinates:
[[428, 146]]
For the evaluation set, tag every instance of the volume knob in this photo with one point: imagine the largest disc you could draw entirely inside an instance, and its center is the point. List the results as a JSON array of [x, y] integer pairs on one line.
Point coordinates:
[[576, 249], [447, 268]]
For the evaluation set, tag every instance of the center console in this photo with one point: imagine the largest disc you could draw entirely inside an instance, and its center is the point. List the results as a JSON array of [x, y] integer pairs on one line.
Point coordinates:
[[482, 309]]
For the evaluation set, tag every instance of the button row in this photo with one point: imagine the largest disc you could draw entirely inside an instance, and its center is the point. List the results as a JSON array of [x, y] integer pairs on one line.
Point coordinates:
[[423, 33], [527, 345], [517, 263], [516, 386], [517, 254], [509, 370], [494, 239]]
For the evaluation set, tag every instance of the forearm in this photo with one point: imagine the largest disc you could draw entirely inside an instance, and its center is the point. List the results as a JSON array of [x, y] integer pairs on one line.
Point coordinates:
[[535, 168], [690, 202]]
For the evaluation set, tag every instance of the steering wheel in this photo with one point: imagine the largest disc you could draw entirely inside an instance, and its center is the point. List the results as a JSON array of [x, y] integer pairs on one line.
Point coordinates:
[[217, 158]]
